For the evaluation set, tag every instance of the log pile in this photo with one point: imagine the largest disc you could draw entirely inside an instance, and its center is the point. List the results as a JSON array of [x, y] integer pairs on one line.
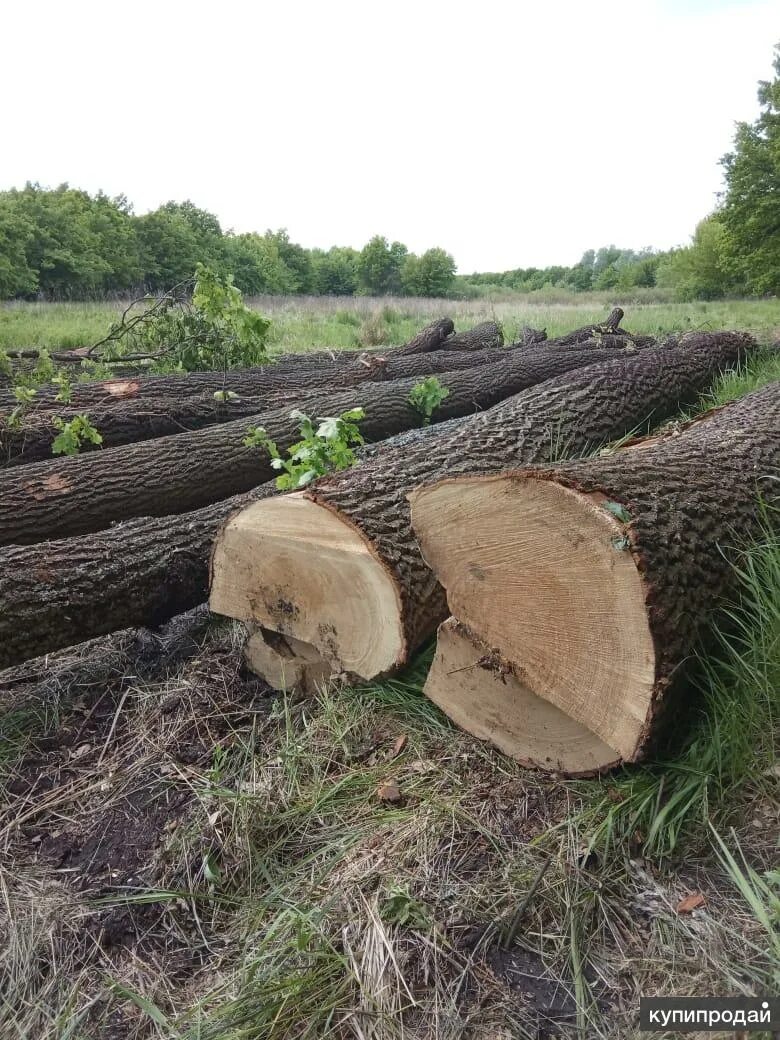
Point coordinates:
[[136, 415], [559, 589], [338, 567], [173, 474], [75, 578]]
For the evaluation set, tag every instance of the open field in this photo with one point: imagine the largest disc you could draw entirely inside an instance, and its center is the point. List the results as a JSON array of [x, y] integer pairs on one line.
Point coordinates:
[[187, 854], [300, 323]]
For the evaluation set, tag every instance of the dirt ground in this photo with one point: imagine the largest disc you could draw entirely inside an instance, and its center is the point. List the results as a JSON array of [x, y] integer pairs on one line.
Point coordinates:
[[164, 813]]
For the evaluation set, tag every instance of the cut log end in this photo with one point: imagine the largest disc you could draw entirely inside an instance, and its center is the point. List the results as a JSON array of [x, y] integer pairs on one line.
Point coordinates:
[[546, 575], [481, 693], [285, 663], [298, 569]]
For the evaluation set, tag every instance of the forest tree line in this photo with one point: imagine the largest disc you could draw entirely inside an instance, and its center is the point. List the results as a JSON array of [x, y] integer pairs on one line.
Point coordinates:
[[65, 243]]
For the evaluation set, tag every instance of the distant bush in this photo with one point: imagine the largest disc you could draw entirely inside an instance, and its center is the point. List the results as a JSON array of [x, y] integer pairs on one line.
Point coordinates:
[[347, 318], [374, 332]]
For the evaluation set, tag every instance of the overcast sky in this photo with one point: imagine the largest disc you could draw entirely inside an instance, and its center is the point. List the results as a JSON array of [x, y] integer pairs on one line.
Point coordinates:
[[511, 133]]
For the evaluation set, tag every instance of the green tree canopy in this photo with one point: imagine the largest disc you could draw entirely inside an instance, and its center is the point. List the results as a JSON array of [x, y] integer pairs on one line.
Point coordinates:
[[334, 273], [17, 277], [379, 266], [751, 204], [703, 269], [431, 274], [79, 245]]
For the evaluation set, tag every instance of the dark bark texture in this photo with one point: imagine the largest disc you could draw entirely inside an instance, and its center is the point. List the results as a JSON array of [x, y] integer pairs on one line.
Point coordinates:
[[486, 336], [125, 419], [128, 422], [74, 495], [610, 326], [321, 368], [121, 658], [141, 572], [529, 336], [435, 336], [694, 502], [145, 570], [570, 414]]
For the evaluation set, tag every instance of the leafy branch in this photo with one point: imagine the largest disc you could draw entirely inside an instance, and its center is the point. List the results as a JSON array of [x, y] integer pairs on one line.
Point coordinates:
[[426, 397], [319, 451], [199, 324], [73, 434]]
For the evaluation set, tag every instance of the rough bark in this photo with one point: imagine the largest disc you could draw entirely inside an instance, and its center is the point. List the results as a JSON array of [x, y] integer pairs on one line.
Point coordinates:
[[138, 573], [148, 569], [610, 326], [436, 336], [486, 336], [124, 420], [609, 340], [129, 422], [68, 496], [692, 503], [342, 368], [529, 336], [572, 413], [120, 658]]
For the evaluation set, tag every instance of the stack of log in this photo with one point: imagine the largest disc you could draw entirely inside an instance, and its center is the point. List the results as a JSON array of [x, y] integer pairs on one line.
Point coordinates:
[[575, 594], [121, 536], [331, 580]]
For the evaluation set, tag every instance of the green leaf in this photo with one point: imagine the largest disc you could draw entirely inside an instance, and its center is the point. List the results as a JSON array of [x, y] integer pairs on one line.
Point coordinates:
[[318, 452], [73, 434], [619, 511]]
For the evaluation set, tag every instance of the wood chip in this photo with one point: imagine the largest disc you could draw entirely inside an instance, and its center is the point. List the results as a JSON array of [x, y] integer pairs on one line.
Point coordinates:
[[389, 792], [399, 745], [691, 903]]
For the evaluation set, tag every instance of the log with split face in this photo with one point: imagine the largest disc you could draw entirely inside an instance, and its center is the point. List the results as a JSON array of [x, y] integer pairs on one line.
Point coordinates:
[[554, 588], [582, 593]]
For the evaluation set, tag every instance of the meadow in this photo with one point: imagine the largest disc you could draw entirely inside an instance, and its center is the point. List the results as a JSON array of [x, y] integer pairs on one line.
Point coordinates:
[[266, 890], [301, 323]]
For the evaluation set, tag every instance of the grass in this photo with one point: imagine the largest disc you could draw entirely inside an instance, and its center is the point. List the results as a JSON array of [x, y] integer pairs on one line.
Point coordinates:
[[282, 897], [485, 897], [732, 752], [302, 323]]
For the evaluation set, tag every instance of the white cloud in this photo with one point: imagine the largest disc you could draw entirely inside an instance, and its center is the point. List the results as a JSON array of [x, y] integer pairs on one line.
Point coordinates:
[[510, 134]]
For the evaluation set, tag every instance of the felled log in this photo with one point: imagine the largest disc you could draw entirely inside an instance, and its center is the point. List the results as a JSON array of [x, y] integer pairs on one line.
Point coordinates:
[[120, 658], [126, 419], [81, 493], [137, 573], [608, 341], [432, 337], [338, 566], [529, 336], [128, 422], [611, 326], [597, 580], [353, 368], [487, 336], [436, 336]]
